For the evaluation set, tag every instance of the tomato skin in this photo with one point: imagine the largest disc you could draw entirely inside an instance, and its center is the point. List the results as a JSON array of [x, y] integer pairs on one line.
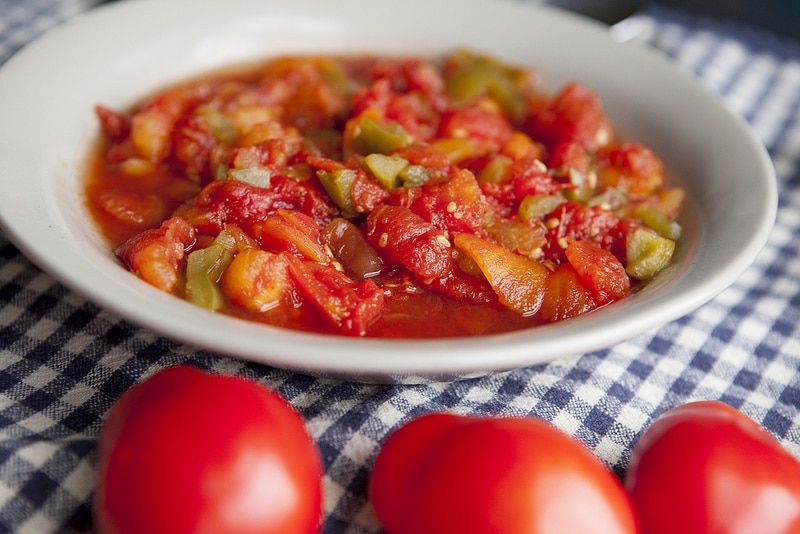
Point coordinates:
[[632, 168], [575, 115], [451, 473], [565, 296], [579, 222], [476, 123], [188, 451], [157, 254], [705, 467], [115, 124], [599, 270]]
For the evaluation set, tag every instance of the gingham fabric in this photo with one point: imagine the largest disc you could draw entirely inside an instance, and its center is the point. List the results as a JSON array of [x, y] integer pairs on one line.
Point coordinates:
[[63, 361]]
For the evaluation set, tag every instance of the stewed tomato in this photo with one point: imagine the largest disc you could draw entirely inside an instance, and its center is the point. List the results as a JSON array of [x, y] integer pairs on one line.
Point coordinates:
[[463, 184]]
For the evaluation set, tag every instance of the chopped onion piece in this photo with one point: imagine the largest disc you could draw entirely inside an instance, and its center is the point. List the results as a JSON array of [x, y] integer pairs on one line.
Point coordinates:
[[255, 176]]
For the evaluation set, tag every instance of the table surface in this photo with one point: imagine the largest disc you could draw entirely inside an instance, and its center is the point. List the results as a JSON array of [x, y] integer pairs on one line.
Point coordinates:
[[63, 361]]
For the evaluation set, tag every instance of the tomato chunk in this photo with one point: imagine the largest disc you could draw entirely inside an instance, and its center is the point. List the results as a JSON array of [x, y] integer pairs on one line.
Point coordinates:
[[599, 270], [230, 201], [574, 115], [456, 205], [476, 123], [115, 124], [291, 231], [156, 255], [519, 282], [138, 209], [573, 221], [566, 296], [405, 238], [257, 280], [346, 304], [632, 168]]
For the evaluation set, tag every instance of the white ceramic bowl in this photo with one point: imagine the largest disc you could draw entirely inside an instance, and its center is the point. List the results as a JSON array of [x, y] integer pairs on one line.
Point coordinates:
[[118, 53]]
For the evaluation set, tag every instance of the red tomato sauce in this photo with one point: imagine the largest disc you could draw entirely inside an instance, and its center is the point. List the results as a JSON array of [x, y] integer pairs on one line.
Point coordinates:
[[382, 197]]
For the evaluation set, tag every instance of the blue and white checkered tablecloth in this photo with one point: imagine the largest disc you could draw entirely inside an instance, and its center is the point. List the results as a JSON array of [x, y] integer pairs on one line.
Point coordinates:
[[63, 361]]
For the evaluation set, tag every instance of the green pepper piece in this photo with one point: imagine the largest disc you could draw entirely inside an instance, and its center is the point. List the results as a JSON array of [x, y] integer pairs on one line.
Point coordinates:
[[339, 185], [496, 171], [654, 219], [610, 199], [204, 267], [475, 76], [335, 75], [585, 185], [255, 176], [221, 128], [414, 176], [370, 137], [222, 172], [647, 253], [386, 168], [538, 205]]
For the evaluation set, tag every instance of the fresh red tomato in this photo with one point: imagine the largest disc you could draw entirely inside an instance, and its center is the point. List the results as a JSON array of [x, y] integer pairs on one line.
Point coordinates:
[[187, 451], [450, 473], [705, 467]]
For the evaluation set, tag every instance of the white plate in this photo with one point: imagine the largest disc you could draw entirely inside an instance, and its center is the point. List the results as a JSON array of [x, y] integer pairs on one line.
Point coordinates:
[[118, 53]]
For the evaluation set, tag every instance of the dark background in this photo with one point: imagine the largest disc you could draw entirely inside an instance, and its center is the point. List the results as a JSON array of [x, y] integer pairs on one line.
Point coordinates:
[[779, 16]]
